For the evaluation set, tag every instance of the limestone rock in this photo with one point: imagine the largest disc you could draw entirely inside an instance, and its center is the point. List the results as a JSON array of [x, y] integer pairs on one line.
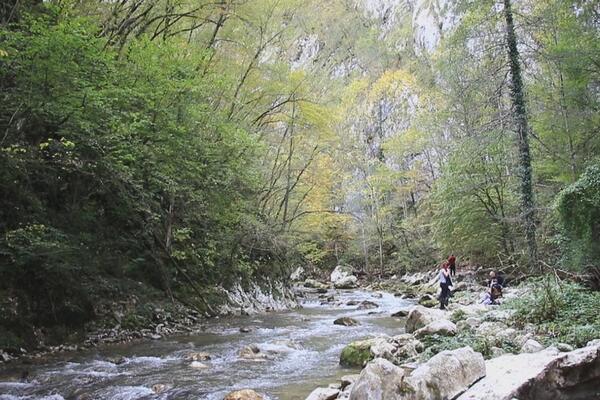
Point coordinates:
[[433, 380], [531, 346], [441, 327], [564, 347], [245, 394], [505, 375], [343, 277], [341, 271], [348, 282], [420, 316], [379, 380], [323, 394]]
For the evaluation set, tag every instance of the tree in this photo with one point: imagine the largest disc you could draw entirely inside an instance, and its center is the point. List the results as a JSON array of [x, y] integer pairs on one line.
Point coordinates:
[[522, 127]]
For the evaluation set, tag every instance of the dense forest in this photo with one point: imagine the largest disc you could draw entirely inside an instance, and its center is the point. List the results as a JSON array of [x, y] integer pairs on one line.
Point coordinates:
[[189, 144]]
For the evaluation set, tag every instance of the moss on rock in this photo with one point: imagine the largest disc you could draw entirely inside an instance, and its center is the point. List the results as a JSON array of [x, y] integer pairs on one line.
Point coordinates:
[[356, 354]]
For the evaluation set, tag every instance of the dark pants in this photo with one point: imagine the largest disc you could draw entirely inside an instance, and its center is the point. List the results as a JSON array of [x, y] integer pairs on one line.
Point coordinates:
[[444, 296], [452, 270]]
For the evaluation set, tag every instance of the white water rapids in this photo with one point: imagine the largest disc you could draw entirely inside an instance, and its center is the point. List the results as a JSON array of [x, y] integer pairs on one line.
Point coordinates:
[[305, 346]]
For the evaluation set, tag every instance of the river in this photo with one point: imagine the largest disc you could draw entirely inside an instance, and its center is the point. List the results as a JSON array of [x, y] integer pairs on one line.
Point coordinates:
[[304, 343]]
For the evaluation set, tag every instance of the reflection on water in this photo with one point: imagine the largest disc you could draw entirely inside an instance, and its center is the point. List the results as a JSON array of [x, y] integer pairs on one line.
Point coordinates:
[[303, 347]]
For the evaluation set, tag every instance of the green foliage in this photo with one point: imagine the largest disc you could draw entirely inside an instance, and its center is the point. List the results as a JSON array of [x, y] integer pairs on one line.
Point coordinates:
[[578, 206], [566, 313], [435, 343]]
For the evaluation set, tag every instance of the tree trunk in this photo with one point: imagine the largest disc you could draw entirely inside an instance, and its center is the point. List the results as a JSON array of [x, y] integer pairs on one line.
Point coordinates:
[[522, 128]]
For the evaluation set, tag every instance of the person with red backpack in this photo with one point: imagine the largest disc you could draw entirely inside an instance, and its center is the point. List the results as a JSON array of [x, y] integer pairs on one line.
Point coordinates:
[[452, 263]]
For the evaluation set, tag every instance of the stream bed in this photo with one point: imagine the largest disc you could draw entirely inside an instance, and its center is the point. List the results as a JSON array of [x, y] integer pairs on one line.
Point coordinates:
[[305, 346]]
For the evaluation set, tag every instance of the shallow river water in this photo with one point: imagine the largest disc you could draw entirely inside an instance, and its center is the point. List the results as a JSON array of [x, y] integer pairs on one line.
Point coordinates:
[[305, 343]]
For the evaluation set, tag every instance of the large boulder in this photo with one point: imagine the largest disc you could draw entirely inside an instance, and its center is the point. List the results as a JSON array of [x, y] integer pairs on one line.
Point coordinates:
[[441, 327], [341, 271], [420, 316], [379, 380], [543, 375], [445, 375], [343, 277]]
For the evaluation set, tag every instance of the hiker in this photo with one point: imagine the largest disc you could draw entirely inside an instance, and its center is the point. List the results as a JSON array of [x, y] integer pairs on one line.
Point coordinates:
[[452, 262], [495, 279], [445, 283], [491, 296]]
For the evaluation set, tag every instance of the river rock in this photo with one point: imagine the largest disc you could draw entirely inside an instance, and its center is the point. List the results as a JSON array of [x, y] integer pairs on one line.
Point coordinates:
[[420, 316], [314, 284], [245, 394], [531, 346], [159, 388], [348, 282], [407, 348], [490, 330], [346, 321], [564, 347], [198, 356], [445, 375], [348, 380], [356, 354], [323, 394], [340, 272], [441, 327], [367, 305], [400, 313], [428, 300], [379, 380], [245, 330], [252, 353], [499, 315], [460, 286]]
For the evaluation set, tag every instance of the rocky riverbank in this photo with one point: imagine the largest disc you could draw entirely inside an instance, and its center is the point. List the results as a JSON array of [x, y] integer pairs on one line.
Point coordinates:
[[135, 318], [470, 351]]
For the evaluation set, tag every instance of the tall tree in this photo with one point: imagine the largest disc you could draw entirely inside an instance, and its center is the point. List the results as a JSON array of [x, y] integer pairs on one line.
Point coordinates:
[[520, 116]]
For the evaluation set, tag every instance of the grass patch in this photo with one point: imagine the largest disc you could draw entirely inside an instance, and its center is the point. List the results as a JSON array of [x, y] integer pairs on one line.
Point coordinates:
[[566, 313]]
